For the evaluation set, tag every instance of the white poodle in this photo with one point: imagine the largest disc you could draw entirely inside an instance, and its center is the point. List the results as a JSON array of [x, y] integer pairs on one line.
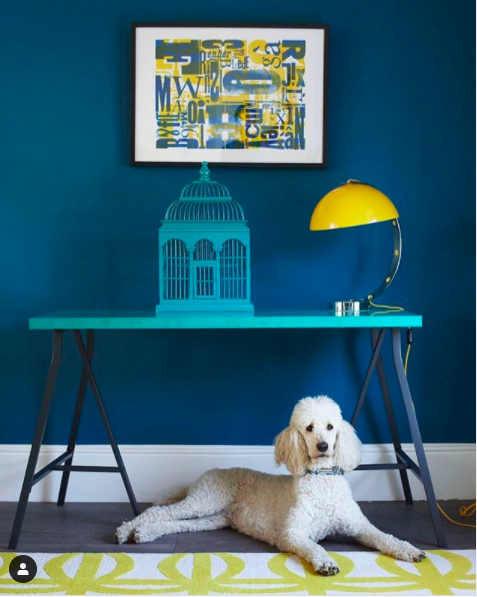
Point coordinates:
[[291, 512]]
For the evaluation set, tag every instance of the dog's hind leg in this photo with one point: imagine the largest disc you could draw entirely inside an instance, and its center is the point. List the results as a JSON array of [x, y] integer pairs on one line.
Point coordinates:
[[188, 508], [149, 532], [212, 493]]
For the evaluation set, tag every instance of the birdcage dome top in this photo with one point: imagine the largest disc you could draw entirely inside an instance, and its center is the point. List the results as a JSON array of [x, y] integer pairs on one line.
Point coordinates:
[[205, 200]]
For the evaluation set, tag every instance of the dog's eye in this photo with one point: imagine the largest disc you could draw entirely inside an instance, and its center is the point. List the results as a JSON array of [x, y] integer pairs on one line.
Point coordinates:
[[330, 427], [309, 428]]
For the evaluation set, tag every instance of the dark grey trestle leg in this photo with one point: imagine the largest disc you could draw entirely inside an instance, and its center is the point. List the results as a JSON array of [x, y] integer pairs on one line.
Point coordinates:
[[424, 473], [369, 373], [30, 478], [76, 418], [99, 402], [392, 421]]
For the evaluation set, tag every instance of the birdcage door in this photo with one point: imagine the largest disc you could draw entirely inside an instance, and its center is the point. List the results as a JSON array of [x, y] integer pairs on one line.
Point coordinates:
[[205, 271], [205, 283]]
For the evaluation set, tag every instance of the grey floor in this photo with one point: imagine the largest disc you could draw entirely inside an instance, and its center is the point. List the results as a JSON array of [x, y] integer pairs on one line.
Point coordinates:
[[89, 527]]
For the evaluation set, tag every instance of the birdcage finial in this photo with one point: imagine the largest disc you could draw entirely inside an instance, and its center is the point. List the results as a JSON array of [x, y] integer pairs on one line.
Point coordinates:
[[204, 173]]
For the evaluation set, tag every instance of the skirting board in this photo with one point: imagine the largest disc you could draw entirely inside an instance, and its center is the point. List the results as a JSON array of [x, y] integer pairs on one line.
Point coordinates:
[[159, 472]]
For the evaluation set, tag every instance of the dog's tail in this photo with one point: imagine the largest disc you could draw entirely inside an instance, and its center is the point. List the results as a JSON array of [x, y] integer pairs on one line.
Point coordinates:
[[173, 496]]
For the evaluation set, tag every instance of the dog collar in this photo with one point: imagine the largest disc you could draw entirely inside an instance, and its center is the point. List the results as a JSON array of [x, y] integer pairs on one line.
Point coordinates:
[[332, 470]]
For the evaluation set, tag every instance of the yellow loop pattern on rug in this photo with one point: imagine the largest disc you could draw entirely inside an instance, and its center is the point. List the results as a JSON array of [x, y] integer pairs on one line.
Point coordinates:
[[444, 572]]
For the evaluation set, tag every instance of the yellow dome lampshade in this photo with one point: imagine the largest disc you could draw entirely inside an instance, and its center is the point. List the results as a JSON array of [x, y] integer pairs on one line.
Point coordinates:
[[352, 204], [357, 204]]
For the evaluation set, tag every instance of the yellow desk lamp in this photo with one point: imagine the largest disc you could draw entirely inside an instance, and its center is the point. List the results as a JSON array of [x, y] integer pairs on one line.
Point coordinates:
[[356, 204]]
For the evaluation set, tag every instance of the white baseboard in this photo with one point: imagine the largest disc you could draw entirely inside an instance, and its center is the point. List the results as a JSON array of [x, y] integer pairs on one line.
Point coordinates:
[[159, 471]]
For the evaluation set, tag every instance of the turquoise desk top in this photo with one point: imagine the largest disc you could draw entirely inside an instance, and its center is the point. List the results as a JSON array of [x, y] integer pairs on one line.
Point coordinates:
[[147, 320]]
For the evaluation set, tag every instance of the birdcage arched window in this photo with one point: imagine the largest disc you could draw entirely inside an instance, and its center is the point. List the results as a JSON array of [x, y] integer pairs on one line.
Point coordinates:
[[204, 251], [176, 270], [233, 270]]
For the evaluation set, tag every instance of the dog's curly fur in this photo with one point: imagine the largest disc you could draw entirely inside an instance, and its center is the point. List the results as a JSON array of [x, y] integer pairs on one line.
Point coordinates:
[[290, 512]]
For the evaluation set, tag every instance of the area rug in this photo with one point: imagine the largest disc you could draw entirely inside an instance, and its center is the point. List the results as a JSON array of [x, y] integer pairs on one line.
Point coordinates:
[[362, 573]]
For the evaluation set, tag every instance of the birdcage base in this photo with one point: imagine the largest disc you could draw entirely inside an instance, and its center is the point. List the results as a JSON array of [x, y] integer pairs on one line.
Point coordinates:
[[186, 307]]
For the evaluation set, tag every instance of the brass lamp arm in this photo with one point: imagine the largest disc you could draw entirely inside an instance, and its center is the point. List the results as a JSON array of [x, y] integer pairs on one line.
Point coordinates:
[[397, 251]]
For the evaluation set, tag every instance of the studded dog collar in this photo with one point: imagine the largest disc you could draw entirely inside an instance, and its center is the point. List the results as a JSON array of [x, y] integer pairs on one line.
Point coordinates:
[[332, 470]]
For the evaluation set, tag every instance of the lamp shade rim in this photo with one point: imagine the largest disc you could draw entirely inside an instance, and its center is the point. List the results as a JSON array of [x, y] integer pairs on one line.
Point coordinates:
[[335, 227]]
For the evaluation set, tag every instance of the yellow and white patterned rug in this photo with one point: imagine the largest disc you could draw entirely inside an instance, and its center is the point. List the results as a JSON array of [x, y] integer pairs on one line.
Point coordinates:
[[362, 573]]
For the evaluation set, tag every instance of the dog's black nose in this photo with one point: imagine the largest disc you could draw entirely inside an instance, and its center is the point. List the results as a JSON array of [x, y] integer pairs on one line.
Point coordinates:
[[322, 446]]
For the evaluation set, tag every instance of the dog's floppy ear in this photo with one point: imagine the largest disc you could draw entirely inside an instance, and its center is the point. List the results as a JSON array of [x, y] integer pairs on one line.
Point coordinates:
[[290, 449], [347, 447]]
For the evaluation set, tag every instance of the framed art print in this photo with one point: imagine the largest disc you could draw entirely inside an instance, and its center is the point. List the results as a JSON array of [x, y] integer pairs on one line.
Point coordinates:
[[231, 95]]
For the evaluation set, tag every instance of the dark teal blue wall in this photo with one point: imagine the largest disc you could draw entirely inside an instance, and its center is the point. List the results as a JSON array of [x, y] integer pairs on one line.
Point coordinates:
[[79, 225]]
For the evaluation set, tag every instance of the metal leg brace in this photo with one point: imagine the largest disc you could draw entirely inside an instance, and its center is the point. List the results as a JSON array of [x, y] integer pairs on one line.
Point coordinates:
[[421, 472], [109, 431], [65, 477], [404, 462], [29, 479], [64, 461], [392, 421]]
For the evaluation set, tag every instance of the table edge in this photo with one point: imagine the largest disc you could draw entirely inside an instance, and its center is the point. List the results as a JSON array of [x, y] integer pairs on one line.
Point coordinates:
[[221, 322]]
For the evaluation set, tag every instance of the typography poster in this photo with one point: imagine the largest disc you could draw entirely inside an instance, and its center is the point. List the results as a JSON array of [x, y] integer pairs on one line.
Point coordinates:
[[233, 95]]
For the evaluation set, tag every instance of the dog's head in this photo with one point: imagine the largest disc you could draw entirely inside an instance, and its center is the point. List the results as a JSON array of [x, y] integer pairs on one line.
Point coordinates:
[[317, 437]]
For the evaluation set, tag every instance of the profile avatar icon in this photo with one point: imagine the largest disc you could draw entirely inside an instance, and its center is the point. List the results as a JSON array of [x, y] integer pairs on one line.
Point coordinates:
[[23, 569]]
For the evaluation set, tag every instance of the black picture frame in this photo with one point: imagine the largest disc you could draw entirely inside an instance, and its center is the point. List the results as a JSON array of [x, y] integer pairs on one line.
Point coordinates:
[[142, 163]]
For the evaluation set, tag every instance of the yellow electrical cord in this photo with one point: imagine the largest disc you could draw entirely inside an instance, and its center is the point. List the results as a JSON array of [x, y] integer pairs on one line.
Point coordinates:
[[390, 307], [406, 359], [465, 511], [382, 312]]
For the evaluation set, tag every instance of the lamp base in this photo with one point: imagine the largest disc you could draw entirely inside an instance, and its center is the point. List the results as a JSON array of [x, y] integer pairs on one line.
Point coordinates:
[[351, 307]]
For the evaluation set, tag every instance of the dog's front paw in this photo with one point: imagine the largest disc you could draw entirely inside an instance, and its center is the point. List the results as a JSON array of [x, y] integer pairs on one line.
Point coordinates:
[[326, 568], [409, 553]]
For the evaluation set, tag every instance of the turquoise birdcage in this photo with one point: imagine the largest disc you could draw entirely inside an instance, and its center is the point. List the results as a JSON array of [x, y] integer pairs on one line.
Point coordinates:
[[204, 251]]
